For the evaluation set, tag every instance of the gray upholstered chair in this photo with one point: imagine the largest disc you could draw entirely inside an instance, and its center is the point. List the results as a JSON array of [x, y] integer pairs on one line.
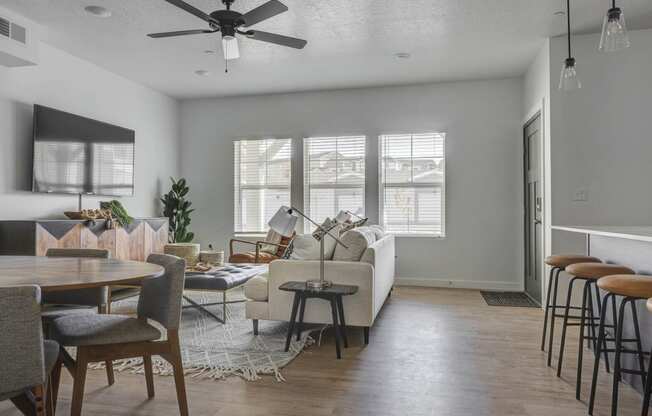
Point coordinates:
[[27, 361], [108, 337], [75, 301]]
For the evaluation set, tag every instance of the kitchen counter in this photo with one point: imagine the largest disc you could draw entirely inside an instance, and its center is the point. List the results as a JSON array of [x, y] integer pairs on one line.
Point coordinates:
[[638, 233]]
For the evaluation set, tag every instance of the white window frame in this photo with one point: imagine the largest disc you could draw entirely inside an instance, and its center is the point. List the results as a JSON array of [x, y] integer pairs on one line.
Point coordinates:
[[237, 186], [381, 187], [306, 176]]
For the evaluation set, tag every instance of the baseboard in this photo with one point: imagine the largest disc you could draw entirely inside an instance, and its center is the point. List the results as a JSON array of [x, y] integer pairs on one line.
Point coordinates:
[[459, 284]]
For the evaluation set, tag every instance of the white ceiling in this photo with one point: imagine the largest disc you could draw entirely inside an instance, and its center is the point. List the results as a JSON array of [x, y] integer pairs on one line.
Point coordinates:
[[351, 43]]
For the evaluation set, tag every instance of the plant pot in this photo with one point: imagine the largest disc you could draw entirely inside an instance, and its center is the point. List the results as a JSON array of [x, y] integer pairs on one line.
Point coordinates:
[[187, 251]]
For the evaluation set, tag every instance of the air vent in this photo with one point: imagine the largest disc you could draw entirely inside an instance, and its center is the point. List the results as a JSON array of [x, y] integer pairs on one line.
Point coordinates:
[[5, 26], [18, 33]]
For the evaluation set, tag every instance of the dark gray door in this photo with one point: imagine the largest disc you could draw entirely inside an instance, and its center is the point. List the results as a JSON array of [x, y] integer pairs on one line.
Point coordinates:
[[533, 207]]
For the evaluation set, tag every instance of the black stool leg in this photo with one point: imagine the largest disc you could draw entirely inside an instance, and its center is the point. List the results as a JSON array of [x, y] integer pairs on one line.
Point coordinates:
[[648, 389], [601, 341], [604, 344], [551, 337], [592, 315], [618, 347], [639, 346], [545, 316], [569, 296], [580, 350]]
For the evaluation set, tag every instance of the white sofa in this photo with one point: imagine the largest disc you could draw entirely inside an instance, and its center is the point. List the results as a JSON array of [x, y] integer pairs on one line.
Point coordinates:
[[373, 274]]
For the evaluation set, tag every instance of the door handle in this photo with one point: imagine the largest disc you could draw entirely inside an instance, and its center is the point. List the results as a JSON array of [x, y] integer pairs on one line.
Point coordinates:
[[537, 221]]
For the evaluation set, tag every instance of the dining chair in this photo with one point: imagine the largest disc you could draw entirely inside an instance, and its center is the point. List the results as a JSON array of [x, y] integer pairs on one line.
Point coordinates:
[[27, 361], [112, 337], [75, 301]]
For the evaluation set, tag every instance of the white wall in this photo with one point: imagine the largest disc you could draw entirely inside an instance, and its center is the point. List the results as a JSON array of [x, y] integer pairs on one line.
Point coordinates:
[[65, 82], [602, 137], [482, 119]]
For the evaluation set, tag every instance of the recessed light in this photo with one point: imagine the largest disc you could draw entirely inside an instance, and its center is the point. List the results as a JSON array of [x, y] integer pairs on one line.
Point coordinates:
[[402, 55], [560, 13], [209, 51], [98, 11], [202, 72]]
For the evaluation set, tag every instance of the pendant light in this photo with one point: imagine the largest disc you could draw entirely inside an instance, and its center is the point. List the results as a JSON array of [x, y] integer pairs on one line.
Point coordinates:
[[569, 80], [614, 30]]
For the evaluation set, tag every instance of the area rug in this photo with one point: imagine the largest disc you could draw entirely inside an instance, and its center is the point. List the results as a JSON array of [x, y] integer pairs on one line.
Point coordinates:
[[213, 350], [514, 299]]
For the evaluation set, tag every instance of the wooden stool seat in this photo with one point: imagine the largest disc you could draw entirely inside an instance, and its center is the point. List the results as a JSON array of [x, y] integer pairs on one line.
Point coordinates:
[[564, 260], [597, 270], [630, 285]]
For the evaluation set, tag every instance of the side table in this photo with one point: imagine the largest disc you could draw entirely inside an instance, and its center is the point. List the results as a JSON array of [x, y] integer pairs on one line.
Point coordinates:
[[333, 295]]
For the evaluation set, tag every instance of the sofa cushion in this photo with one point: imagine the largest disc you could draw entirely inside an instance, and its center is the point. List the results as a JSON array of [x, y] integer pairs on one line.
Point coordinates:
[[256, 288], [357, 241]]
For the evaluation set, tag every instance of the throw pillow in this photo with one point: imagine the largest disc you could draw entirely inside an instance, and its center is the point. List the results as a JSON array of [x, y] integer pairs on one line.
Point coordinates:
[[357, 241], [305, 247], [272, 237]]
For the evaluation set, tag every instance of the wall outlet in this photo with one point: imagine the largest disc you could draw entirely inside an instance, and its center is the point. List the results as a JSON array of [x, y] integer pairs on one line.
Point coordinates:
[[580, 194]]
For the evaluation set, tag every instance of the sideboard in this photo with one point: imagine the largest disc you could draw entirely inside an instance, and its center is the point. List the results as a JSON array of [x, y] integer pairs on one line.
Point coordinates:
[[133, 242]]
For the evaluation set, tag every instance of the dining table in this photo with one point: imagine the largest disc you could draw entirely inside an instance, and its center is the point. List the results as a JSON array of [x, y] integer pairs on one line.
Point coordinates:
[[59, 273]]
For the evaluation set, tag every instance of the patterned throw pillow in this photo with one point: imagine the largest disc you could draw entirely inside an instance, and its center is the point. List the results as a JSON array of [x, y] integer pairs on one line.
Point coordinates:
[[272, 237], [288, 251], [351, 225]]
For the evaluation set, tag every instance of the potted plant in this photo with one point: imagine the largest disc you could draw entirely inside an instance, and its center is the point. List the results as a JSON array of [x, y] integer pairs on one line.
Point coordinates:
[[177, 209]]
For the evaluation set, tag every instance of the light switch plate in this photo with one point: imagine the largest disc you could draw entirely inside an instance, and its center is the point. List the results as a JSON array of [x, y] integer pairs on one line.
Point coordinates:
[[580, 194]]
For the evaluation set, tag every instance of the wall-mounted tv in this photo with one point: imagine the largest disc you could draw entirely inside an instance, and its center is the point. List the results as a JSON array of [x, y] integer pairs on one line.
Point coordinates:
[[78, 155]]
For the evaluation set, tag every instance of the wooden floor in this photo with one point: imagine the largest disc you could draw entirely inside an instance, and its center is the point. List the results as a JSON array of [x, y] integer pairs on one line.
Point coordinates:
[[432, 352]]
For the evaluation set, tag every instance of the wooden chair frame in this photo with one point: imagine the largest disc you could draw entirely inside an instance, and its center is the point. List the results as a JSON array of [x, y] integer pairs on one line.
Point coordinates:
[[258, 245], [168, 349]]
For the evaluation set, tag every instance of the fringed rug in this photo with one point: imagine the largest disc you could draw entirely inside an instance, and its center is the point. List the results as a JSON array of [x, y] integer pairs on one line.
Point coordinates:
[[213, 350]]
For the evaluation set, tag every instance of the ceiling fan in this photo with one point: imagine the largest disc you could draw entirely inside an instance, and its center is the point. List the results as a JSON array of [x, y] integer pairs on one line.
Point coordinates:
[[230, 23]]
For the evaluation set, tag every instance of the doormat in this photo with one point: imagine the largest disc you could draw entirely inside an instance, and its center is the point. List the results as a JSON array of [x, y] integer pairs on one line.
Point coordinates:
[[514, 299]]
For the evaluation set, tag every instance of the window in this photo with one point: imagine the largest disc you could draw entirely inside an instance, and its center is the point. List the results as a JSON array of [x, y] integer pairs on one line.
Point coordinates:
[[334, 176], [412, 183], [262, 182]]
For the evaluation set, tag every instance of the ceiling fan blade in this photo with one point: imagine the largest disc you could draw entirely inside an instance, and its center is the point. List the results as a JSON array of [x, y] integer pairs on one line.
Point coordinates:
[[190, 9], [277, 39], [263, 12], [180, 33]]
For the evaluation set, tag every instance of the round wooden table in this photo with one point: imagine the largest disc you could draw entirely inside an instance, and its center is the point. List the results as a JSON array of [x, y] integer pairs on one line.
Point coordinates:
[[51, 274]]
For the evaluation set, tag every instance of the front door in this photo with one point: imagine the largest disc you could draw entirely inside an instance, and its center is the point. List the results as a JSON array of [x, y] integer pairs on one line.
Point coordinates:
[[533, 207]]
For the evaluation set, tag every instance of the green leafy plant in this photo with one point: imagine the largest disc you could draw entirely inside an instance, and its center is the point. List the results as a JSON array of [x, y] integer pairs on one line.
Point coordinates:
[[177, 209], [118, 212]]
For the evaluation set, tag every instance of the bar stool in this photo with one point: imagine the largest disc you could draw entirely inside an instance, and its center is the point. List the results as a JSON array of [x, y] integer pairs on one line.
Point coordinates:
[[558, 263], [589, 273], [631, 288], [648, 384]]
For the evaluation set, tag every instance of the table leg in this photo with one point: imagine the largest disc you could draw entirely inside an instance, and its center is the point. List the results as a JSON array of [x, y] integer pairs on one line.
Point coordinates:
[[340, 308], [293, 317], [336, 327], [302, 309]]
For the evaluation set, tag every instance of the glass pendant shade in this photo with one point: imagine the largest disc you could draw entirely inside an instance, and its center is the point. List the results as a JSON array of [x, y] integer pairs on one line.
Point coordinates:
[[230, 47], [569, 80], [614, 31]]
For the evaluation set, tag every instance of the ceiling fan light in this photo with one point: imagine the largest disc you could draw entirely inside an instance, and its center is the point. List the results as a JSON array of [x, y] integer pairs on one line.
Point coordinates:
[[230, 47], [569, 79], [614, 31]]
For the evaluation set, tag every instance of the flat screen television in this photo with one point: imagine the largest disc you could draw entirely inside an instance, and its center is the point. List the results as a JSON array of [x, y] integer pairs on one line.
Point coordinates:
[[78, 155]]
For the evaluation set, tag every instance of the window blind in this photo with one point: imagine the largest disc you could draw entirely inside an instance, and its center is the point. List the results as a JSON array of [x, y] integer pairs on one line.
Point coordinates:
[[334, 176], [262, 182], [412, 183]]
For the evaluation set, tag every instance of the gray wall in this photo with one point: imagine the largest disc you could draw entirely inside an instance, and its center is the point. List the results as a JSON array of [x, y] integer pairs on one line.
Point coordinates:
[[483, 246], [602, 137], [65, 82]]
